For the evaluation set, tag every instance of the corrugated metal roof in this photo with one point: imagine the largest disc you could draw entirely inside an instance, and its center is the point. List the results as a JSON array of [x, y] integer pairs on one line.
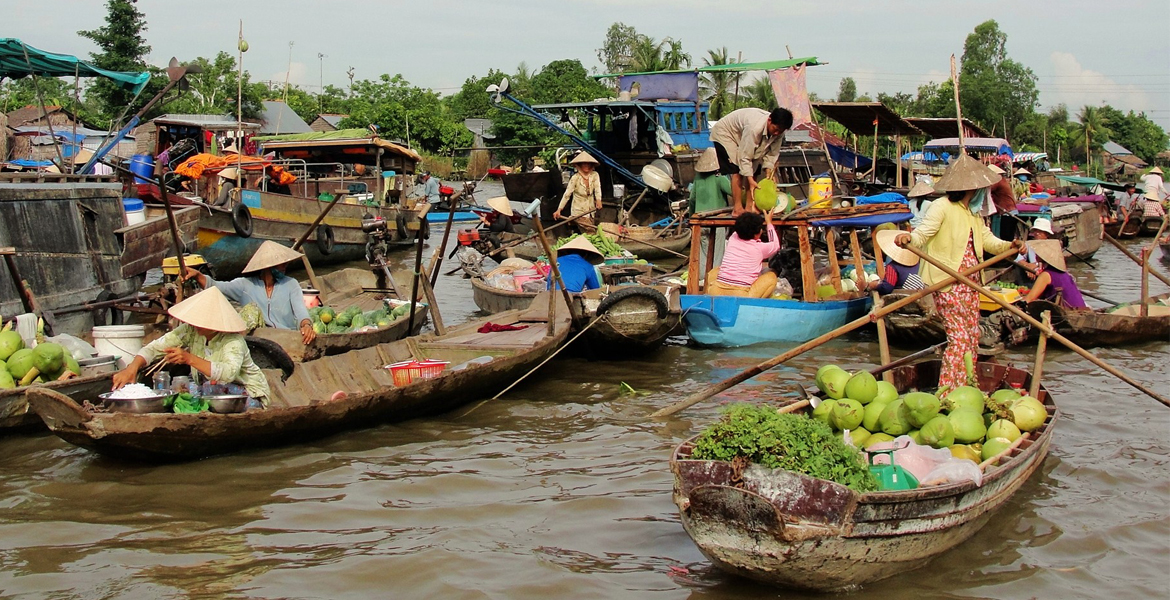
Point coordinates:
[[211, 121], [1116, 149], [279, 119]]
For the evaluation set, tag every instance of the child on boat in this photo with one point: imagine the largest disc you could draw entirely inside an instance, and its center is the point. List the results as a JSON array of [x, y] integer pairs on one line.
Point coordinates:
[[901, 272], [739, 272]]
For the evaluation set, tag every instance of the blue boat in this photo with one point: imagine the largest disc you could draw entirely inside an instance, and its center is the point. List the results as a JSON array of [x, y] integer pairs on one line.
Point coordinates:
[[461, 216], [729, 321]]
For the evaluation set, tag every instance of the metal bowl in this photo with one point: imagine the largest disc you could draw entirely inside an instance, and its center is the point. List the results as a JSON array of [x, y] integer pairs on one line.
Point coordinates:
[[227, 404], [151, 404]]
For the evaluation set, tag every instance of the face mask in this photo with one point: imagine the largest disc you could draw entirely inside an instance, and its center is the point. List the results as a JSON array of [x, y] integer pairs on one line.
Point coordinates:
[[977, 202], [276, 273]]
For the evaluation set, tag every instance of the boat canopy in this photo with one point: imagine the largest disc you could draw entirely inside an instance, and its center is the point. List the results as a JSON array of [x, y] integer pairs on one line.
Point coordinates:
[[864, 220], [18, 59], [1023, 157], [341, 137], [997, 145], [1091, 181], [861, 118], [768, 65]]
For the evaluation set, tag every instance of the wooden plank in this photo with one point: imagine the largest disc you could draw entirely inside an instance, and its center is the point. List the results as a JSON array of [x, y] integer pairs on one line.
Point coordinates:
[[834, 267], [883, 341], [693, 266], [807, 268], [711, 237]]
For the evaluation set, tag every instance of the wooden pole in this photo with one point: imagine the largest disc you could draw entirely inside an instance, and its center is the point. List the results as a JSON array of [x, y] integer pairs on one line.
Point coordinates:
[[626, 217], [175, 237], [808, 275], [883, 340], [873, 177], [693, 264], [556, 270], [317, 221], [26, 295], [653, 245], [1145, 311], [438, 260], [532, 236], [898, 160], [425, 282], [721, 386], [1037, 324], [834, 266], [417, 274], [1126, 251], [1041, 351], [712, 234]]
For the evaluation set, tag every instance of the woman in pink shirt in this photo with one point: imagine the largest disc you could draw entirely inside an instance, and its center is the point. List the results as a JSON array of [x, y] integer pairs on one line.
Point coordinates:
[[739, 273]]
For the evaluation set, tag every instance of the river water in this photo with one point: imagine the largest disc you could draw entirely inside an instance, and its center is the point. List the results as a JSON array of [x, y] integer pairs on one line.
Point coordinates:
[[561, 489]]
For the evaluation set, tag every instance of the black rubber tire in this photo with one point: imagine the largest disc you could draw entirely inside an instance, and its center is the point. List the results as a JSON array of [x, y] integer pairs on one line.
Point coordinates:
[[325, 239], [242, 220], [628, 292], [267, 354], [107, 316]]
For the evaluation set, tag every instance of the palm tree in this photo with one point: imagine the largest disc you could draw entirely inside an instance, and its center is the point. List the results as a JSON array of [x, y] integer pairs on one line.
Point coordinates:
[[1091, 125], [714, 84], [646, 55], [759, 94], [673, 57]]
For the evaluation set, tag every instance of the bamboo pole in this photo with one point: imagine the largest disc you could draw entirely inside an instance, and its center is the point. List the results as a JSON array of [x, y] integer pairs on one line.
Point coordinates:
[[437, 261], [556, 270], [175, 237], [1041, 352], [721, 386], [1037, 324], [416, 276], [1135, 259], [958, 107], [883, 341], [425, 282]]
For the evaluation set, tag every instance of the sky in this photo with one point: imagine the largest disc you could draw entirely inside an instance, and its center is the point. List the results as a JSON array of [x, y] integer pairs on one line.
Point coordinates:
[[1083, 52]]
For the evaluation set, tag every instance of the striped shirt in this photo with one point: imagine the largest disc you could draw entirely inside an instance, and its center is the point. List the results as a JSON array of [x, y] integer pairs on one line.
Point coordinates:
[[743, 259]]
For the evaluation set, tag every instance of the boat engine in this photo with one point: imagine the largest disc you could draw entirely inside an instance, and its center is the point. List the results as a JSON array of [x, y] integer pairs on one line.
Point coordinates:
[[170, 279]]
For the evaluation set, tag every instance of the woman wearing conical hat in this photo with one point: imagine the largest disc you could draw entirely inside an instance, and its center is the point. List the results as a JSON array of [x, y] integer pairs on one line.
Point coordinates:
[[954, 233], [584, 189], [575, 261], [1054, 283], [279, 297], [209, 340]]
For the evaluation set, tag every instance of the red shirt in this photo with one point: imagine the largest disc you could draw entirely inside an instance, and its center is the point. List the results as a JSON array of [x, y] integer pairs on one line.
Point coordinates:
[[1003, 196]]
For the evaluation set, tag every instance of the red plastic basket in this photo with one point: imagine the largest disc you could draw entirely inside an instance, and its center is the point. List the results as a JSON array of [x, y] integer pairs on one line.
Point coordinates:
[[405, 372]]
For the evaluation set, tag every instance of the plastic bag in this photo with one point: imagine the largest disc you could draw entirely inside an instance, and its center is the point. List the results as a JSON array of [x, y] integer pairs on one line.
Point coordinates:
[[783, 288], [538, 285], [77, 347], [955, 470], [502, 281], [919, 460]]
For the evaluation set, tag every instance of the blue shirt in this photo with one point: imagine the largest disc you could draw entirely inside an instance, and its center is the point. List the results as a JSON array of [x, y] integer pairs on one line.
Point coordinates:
[[577, 273], [284, 310], [431, 190]]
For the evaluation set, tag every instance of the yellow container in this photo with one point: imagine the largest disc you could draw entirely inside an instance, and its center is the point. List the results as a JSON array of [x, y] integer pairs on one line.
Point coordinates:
[[820, 192], [989, 305]]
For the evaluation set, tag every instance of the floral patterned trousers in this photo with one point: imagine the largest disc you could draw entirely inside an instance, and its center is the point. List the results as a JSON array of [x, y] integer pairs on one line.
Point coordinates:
[[959, 308]]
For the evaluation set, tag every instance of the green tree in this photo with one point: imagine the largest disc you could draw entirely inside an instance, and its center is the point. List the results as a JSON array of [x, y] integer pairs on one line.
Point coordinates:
[[122, 47], [994, 89], [1135, 132], [391, 103], [673, 57], [1091, 131], [616, 52], [759, 94], [715, 85], [935, 100], [899, 102], [566, 81], [847, 90], [214, 90], [22, 92], [300, 101]]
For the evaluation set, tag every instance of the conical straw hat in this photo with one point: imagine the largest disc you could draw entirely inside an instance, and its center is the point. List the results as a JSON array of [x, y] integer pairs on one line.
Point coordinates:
[[1049, 251], [996, 169], [708, 161], [209, 309], [583, 157], [500, 204], [966, 174], [271, 254], [885, 240], [1023, 172], [920, 189], [229, 173], [1156, 170], [580, 244]]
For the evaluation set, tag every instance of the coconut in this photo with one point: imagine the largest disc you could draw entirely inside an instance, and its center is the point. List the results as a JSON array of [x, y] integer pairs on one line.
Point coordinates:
[[1028, 414], [877, 438], [834, 383], [1005, 395], [922, 407], [71, 364], [873, 411], [847, 414], [937, 432], [895, 419], [989, 418], [21, 362], [994, 446], [824, 411], [886, 392], [916, 435], [967, 425], [965, 397], [862, 387], [964, 451], [50, 358], [820, 377], [10, 342], [6, 381], [1005, 429], [857, 436]]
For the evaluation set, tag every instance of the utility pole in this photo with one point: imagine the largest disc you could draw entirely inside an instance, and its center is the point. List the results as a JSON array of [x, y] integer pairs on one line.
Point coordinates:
[[320, 80], [350, 73]]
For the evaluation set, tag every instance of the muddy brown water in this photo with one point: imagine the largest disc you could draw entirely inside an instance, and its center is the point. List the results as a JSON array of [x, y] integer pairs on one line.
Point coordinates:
[[561, 489]]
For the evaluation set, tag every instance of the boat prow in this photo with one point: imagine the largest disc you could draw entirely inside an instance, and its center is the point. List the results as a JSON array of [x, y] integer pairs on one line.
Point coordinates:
[[730, 321]]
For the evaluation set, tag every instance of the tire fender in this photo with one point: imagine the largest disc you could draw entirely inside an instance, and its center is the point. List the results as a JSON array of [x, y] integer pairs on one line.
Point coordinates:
[[611, 300], [242, 220], [325, 239]]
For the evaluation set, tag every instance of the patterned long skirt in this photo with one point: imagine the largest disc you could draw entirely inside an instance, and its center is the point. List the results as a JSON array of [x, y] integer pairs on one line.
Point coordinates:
[[959, 308]]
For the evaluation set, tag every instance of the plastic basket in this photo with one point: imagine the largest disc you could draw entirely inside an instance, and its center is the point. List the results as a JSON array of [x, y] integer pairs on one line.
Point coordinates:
[[406, 372]]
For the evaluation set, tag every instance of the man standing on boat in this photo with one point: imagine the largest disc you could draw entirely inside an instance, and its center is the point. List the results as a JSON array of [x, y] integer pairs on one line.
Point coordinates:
[[745, 141], [430, 187]]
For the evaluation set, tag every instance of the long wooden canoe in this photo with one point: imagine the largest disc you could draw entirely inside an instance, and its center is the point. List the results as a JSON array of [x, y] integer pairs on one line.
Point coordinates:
[[325, 396], [1124, 325], [791, 530]]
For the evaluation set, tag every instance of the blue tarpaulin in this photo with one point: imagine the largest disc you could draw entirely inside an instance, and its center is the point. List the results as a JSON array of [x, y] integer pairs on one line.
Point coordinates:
[[884, 198], [14, 64], [29, 164], [864, 220], [848, 158]]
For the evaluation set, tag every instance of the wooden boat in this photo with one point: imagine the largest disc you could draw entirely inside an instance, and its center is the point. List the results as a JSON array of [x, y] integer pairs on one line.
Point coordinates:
[[1123, 325], [307, 405], [919, 323], [1124, 229], [791, 530], [637, 318], [1076, 220], [1164, 245], [344, 288], [14, 413], [1150, 226], [665, 247], [729, 321]]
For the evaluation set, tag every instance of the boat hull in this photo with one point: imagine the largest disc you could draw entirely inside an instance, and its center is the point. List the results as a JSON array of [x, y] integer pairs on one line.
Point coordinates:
[[794, 531], [728, 321], [663, 248]]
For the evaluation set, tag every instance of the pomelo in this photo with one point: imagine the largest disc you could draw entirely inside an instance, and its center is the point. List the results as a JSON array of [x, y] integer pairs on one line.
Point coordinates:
[[1005, 395], [895, 419], [994, 446], [873, 410], [886, 392], [862, 387], [834, 383], [858, 436], [847, 414], [921, 407], [1005, 429], [824, 411], [937, 432], [1028, 414], [967, 425], [877, 438], [965, 397], [10, 342]]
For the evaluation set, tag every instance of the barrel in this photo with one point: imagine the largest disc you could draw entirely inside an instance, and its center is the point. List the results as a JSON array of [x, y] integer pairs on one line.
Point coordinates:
[[142, 165], [122, 341], [820, 192], [135, 211]]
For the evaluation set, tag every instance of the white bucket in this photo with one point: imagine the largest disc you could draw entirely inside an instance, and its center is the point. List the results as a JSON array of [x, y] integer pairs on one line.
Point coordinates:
[[123, 341]]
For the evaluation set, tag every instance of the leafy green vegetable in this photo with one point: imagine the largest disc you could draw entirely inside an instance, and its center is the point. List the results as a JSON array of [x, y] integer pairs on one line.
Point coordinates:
[[784, 441], [604, 244], [186, 403]]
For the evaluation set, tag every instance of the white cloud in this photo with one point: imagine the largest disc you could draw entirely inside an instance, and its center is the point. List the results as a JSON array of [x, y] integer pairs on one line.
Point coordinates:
[[297, 75], [1077, 86]]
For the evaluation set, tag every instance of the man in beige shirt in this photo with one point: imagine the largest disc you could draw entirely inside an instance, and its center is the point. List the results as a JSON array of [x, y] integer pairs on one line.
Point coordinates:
[[746, 140]]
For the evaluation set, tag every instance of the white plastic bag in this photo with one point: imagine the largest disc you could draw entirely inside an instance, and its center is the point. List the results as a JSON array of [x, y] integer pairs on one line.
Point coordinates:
[[955, 470], [917, 459], [76, 346]]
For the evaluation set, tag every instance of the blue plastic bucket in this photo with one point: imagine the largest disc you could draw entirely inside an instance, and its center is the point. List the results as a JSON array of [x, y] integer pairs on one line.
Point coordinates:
[[142, 165]]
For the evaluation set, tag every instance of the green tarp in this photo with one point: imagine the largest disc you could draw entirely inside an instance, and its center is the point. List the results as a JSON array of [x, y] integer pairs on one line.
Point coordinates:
[[769, 65], [14, 65], [1091, 181]]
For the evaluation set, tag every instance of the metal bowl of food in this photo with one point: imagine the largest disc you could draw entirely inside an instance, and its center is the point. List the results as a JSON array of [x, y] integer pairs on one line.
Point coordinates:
[[135, 405], [227, 404]]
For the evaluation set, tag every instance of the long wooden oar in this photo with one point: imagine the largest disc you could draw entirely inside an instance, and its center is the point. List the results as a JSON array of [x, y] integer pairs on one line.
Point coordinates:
[[716, 388], [1125, 251], [1037, 324], [313, 281], [532, 235]]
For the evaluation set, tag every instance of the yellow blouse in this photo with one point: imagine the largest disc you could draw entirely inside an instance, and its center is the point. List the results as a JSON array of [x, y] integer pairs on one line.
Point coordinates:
[[585, 192], [943, 234]]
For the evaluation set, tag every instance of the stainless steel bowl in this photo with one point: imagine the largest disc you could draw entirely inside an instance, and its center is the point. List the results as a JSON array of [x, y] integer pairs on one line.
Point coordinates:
[[227, 404], [152, 404]]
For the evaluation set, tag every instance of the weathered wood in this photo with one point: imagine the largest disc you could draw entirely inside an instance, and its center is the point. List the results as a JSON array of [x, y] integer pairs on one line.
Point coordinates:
[[425, 282], [1041, 351], [693, 274], [859, 265], [807, 270], [834, 266], [711, 238]]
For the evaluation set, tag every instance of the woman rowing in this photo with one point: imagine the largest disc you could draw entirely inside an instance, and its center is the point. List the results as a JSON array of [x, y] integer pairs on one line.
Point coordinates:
[[584, 192], [1053, 282]]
